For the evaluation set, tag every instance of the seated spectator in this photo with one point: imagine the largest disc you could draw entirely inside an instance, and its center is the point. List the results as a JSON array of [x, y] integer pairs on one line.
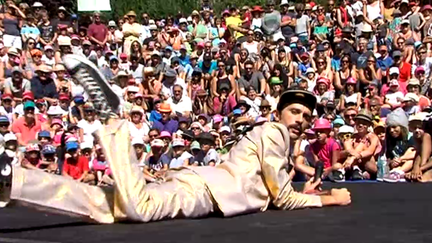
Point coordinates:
[[6, 108], [43, 86], [101, 167], [44, 138], [27, 126], [76, 166], [11, 147], [16, 85], [410, 102], [139, 147], [393, 97], [137, 127], [415, 88], [32, 157], [180, 103], [4, 125], [325, 148], [166, 123], [210, 155], [400, 151], [49, 159], [180, 156], [155, 164], [89, 124]]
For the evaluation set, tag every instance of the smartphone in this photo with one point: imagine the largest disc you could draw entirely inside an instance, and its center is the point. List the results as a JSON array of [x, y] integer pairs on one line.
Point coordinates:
[[319, 169]]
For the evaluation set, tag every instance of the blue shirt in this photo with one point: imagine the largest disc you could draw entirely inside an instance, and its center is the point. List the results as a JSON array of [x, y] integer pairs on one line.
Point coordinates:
[[155, 116], [184, 60], [170, 126], [385, 63], [209, 70]]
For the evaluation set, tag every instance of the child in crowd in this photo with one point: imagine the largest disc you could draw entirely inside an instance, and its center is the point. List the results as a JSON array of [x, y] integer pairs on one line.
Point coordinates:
[[210, 155], [155, 164], [325, 148], [76, 166], [124, 63], [410, 102], [394, 97], [32, 158], [101, 167], [49, 159], [11, 147], [195, 149], [181, 157]]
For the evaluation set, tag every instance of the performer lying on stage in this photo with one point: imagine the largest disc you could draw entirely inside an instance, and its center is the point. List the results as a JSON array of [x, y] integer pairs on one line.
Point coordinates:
[[252, 177]]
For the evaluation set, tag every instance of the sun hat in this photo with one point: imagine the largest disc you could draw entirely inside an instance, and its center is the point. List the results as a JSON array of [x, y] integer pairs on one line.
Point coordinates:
[[195, 145], [346, 129], [32, 147], [165, 107], [165, 134]]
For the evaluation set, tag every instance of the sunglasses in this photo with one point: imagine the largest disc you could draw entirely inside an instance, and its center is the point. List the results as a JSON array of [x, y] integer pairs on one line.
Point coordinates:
[[345, 136], [350, 115]]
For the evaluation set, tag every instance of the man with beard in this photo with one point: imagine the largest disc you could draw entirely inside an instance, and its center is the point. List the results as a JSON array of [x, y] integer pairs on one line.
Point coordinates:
[[253, 175]]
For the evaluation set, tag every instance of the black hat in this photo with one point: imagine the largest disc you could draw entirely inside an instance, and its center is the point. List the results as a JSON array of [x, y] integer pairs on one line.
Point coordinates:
[[320, 47], [206, 137], [242, 103], [303, 97]]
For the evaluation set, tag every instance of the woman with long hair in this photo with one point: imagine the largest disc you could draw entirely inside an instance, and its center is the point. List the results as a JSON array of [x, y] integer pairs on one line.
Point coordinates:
[[347, 70], [399, 146], [12, 21], [350, 96]]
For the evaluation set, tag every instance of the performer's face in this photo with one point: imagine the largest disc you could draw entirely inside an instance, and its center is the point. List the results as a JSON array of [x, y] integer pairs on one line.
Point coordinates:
[[296, 117]]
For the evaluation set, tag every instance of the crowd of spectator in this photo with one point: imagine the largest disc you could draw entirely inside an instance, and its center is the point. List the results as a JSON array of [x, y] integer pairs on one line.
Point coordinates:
[[190, 86]]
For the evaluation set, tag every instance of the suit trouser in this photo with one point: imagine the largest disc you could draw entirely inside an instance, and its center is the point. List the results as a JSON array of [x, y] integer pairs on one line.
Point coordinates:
[[182, 194]]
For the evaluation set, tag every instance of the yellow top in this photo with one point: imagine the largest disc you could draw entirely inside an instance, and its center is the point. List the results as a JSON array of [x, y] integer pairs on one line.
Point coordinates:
[[236, 21]]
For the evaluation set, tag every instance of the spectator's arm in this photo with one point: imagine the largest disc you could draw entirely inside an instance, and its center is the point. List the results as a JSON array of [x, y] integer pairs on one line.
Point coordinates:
[[81, 134], [233, 85], [299, 164], [371, 149], [214, 87]]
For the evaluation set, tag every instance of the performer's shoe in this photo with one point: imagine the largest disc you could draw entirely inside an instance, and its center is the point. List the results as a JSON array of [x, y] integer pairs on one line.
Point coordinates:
[[104, 99], [5, 173]]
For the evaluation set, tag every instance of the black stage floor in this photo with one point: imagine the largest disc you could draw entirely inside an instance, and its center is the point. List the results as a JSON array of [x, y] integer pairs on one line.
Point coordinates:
[[379, 213]]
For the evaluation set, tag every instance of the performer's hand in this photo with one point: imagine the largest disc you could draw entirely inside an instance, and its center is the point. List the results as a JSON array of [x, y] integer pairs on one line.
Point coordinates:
[[341, 196], [310, 186]]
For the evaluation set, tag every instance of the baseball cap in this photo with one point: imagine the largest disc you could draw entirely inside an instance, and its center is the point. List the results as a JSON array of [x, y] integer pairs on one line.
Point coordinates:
[[165, 134], [4, 119], [10, 137], [44, 134], [217, 118], [137, 140], [195, 145], [157, 143], [29, 104], [71, 146], [394, 82], [7, 96], [86, 145], [48, 149], [394, 70], [411, 97], [178, 142], [28, 95], [225, 129], [396, 53]]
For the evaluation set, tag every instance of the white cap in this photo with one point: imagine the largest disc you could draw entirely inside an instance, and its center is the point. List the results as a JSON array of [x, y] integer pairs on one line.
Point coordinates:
[[151, 21], [137, 140], [421, 116], [346, 129], [411, 97], [10, 137], [394, 70], [310, 70], [225, 129], [134, 89], [62, 8], [405, 1], [112, 23], [157, 143], [55, 110], [37, 5], [86, 145], [405, 21], [178, 142], [183, 21], [284, 2], [189, 19]]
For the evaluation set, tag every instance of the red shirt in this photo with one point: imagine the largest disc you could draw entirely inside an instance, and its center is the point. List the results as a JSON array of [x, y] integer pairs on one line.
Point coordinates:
[[325, 151], [76, 169], [98, 31], [27, 132], [404, 76]]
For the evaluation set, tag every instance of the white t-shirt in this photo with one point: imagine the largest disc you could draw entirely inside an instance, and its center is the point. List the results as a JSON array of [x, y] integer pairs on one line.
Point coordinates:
[[47, 61], [393, 97], [184, 105], [89, 129], [139, 133], [168, 91]]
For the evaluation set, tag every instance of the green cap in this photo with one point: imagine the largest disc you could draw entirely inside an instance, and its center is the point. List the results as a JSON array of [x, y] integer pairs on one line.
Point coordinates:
[[195, 145], [275, 80], [29, 104]]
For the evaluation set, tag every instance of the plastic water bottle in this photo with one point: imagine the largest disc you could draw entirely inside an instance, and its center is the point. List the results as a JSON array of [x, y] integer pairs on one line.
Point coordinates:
[[382, 167]]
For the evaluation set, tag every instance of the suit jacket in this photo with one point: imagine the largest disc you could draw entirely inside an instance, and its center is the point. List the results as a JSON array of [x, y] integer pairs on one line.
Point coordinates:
[[254, 174]]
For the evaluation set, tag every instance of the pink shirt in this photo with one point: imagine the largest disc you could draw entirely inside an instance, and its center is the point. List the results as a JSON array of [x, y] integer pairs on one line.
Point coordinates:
[[325, 151]]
